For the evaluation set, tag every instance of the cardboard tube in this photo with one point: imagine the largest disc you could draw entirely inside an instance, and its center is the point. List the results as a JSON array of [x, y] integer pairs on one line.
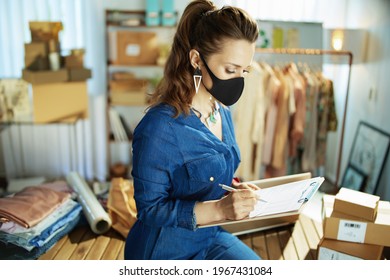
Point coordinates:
[[97, 217]]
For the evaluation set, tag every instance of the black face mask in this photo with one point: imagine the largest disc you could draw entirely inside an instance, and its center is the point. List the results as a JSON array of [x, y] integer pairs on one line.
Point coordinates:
[[226, 91]]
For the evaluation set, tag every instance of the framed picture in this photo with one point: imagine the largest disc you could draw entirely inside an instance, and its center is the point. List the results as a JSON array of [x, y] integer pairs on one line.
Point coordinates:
[[353, 179], [368, 155]]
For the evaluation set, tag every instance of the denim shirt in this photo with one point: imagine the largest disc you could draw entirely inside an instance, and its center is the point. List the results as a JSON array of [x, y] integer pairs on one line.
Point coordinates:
[[177, 162]]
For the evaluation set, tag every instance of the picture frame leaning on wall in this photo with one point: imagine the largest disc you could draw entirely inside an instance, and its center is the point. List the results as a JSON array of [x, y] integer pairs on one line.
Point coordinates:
[[368, 155], [353, 179]]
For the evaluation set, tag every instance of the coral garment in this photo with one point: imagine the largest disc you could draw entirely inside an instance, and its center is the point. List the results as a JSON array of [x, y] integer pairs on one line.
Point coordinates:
[[31, 205]]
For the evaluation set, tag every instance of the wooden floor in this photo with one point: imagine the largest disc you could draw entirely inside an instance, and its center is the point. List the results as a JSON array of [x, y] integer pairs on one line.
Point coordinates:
[[295, 242]]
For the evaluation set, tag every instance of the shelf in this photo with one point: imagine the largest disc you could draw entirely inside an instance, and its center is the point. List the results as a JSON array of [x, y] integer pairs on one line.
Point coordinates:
[[138, 27], [115, 67], [29, 120], [140, 71], [124, 19], [123, 104], [120, 26]]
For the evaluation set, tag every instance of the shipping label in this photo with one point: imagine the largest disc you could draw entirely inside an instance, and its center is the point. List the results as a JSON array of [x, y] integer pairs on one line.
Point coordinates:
[[352, 231]]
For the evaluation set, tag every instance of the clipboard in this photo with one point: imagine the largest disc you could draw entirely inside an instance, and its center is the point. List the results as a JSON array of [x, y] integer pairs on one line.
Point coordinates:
[[254, 224], [285, 197]]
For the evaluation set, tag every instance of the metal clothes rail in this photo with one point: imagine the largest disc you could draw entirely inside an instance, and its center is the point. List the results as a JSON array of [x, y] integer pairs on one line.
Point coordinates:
[[320, 52]]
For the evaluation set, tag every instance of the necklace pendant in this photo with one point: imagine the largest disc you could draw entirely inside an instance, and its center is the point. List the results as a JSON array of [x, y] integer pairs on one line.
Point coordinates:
[[212, 118], [209, 122]]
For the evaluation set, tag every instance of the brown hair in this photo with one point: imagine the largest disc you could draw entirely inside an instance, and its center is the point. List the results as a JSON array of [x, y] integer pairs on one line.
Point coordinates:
[[202, 27]]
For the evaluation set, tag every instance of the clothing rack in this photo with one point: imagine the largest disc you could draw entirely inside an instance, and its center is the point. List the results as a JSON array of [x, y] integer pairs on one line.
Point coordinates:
[[320, 52]]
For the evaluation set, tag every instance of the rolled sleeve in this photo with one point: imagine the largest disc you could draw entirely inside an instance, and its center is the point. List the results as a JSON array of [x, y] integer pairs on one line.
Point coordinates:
[[155, 208], [187, 218]]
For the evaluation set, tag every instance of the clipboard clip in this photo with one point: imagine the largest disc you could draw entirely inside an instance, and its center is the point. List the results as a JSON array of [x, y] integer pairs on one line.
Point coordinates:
[[304, 198]]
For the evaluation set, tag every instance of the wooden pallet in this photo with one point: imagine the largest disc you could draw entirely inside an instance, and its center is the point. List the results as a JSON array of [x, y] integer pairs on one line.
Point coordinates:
[[294, 242]]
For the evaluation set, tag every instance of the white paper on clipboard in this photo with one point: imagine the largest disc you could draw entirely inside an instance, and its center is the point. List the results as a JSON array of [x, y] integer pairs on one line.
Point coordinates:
[[286, 197]]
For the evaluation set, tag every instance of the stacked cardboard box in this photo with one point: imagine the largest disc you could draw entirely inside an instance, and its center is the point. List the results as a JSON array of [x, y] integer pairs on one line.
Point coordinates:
[[43, 60], [58, 83], [356, 226], [125, 89], [36, 56], [75, 65], [60, 102], [42, 55], [133, 48]]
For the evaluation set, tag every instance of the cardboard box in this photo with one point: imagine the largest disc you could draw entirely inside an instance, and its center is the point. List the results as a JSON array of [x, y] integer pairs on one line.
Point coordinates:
[[44, 77], [128, 92], [330, 249], [79, 74], [128, 85], [74, 61], [57, 101], [36, 56], [355, 203], [344, 227], [136, 48], [36, 49], [44, 31], [128, 98], [36, 63], [122, 76]]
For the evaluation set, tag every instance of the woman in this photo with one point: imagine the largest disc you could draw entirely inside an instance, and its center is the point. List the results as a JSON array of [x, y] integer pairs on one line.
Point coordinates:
[[184, 147]]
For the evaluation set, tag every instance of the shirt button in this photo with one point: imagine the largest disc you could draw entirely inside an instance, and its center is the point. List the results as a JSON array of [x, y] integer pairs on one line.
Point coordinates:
[[211, 179]]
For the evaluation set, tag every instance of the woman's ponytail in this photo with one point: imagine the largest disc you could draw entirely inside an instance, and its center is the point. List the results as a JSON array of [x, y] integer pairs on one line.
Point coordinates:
[[202, 27]]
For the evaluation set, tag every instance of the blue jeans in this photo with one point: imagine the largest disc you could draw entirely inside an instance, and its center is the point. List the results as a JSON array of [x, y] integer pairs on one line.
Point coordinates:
[[150, 243], [229, 247]]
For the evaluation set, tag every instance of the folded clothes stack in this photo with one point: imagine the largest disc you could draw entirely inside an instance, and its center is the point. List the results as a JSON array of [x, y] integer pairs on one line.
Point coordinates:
[[35, 218]]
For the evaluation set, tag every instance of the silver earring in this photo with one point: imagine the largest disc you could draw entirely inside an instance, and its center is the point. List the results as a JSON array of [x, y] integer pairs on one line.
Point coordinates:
[[197, 79]]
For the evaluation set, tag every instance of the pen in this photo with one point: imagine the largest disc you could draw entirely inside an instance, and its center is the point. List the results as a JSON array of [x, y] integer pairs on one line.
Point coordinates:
[[231, 189]]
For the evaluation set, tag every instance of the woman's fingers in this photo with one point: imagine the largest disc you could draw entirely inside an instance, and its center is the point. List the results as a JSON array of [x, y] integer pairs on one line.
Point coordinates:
[[248, 186], [245, 198], [239, 203], [253, 186]]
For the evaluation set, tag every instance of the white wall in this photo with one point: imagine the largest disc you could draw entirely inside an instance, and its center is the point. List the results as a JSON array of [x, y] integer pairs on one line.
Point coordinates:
[[374, 74]]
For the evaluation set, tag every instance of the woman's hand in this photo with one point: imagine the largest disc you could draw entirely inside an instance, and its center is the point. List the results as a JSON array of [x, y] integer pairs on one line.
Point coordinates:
[[244, 185], [237, 204]]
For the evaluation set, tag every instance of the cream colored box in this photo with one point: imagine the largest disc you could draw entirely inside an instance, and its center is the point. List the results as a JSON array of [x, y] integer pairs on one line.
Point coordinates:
[[356, 203], [133, 48], [349, 228], [330, 249], [57, 101]]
